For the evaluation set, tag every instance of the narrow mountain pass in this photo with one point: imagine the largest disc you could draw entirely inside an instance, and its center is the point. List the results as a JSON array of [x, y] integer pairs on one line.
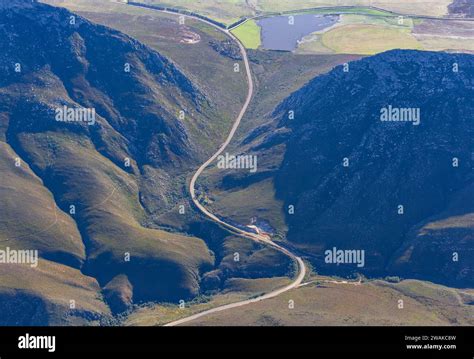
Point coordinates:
[[192, 190]]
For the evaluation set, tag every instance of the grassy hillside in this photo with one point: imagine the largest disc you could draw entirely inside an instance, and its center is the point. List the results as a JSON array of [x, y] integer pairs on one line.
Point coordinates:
[[381, 30], [132, 210], [237, 195], [372, 303], [43, 226], [200, 60], [108, 213], [237, 289], [31, 220], [356, 205], [84, 166], [125, 176], [421, 7], [368, 35], [368, 39], [424, 238], [50, 294], [229, 11]]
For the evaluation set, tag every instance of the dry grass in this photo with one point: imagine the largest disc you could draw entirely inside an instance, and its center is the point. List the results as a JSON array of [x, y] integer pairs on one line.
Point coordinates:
[[56, 284], [241, 289], [373, 303], [368, 39], [30, 218], [258, 198]]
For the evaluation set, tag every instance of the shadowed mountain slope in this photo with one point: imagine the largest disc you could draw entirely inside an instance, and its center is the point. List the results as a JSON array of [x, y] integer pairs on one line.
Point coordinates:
[[50, 58], [426, 168]]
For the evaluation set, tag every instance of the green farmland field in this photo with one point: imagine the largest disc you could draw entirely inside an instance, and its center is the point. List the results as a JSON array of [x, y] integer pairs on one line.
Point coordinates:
[[249, 34]]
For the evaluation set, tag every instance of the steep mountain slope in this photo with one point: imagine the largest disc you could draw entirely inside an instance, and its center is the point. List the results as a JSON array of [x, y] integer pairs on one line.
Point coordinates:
[[50, 294], [49, 59], [238, 195], [30, 220], [138, 91], [42, 221], [346, 171]]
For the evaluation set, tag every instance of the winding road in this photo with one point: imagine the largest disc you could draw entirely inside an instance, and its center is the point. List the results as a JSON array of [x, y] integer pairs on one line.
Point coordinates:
[[255, 237]]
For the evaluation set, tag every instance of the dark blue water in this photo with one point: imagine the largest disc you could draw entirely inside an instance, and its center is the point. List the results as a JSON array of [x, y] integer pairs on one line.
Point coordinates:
[[279, 34]]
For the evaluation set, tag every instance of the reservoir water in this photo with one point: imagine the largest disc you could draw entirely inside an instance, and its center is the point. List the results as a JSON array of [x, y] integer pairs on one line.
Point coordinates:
[[281, 33]]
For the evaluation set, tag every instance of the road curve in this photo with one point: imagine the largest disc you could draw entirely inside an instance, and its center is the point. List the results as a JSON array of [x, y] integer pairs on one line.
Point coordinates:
[[273, 294], [253, 236]]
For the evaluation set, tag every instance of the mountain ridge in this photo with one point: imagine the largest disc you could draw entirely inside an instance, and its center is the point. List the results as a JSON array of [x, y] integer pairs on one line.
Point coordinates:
[[337, 116], [96, 169]]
